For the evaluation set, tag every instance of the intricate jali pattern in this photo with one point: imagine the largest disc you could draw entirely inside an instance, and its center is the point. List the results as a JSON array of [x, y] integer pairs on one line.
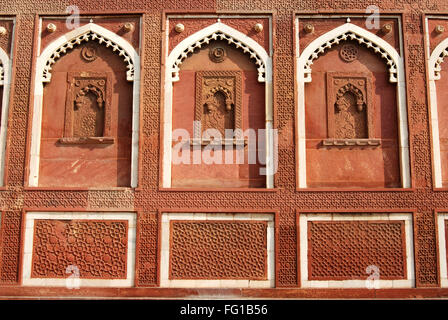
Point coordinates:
[[343, 250], [97, 248], [218, 250]]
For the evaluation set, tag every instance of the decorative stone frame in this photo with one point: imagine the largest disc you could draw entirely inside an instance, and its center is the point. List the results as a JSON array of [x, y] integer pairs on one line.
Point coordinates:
[[233, 94], [130, 217], [407, 218], [364, 92], [5, 82], [88, 32], [434, 64], [173, 60], [72, 96], [318, 46], [165, 232]]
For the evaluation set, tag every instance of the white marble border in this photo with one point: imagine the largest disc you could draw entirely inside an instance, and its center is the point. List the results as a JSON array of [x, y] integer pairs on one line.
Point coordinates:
[[170, 58], [7, 69], [5, 107], [165, 251], [441, 218], [33, 180], [131, 217], [304, 77], [303, 225], [433, 76]]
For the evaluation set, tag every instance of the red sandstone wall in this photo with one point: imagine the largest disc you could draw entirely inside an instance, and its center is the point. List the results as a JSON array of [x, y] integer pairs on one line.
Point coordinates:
[[148, 200]]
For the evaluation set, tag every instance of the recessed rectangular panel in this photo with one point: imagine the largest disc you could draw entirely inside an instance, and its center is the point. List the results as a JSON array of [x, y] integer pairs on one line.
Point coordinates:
[[342, 250], [218, 250], [97, 248]]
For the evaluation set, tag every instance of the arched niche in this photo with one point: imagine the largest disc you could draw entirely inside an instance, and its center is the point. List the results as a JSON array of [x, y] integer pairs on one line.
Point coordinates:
[[88, 75], [366, 145], [219, 78]]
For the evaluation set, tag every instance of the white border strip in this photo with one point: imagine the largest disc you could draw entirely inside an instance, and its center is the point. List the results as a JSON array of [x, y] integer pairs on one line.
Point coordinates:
[[33, 180], [131, 217], [303, 222], [165, 251], [437, 162], [7, 68], [441, 218]]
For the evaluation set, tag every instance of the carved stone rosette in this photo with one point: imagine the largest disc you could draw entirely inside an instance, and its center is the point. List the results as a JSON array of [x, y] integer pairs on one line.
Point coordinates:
[[350, 108], [218, 102], [87, 110]]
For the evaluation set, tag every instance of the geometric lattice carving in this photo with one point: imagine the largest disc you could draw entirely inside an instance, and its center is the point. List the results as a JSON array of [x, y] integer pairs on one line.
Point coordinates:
[[349, 109], [349, 35], [343, 250], [218, 101], [348, 52], [87, 111], [98, 248], [218, 35], [90, 35], [218, 250]]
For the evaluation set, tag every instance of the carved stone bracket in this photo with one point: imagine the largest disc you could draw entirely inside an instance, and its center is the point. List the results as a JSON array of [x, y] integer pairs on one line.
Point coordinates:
[[351, 142], [218, 103]]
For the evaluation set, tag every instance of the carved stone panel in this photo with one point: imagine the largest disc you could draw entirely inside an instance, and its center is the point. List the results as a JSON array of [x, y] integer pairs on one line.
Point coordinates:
[[218, 101], [87, 110], [349, 109], [218, 249], [342, 250], [98, 248]]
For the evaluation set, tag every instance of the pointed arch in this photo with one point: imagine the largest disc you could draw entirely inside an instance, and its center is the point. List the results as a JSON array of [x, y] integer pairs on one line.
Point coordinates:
[[349, 31], [394, 61], [263, 61], [59, 47], [219, 31], [436, 60]]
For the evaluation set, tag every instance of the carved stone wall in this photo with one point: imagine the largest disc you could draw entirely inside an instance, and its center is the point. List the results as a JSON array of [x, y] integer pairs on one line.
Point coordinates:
[[149, 198], [97, 248], [218, 250]]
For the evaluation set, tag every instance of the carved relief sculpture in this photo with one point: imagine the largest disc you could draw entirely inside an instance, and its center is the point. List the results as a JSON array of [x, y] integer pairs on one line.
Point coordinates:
[[218, 102], [87, 110], [349, 110]]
